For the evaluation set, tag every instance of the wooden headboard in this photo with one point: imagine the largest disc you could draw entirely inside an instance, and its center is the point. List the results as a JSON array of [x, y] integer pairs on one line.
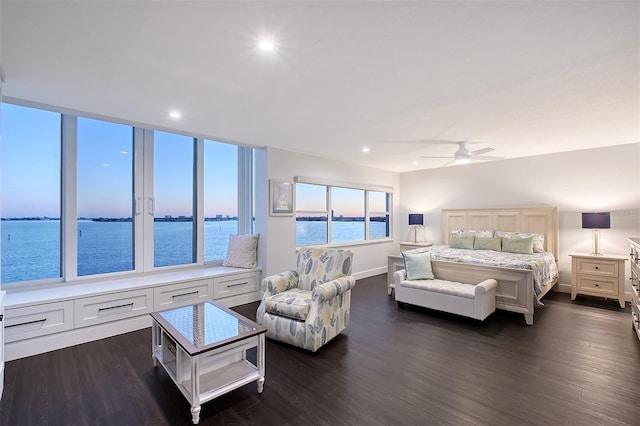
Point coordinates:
[[536, 220]]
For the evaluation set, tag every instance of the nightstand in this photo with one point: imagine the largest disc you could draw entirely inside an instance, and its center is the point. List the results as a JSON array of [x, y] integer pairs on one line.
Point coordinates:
[[601, 275], [408, 245]]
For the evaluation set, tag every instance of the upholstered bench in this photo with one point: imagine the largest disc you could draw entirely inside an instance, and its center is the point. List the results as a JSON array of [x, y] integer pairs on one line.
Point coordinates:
[[476, 301]]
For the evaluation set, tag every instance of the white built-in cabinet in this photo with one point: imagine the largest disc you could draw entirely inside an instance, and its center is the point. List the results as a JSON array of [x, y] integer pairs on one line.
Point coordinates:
[[38, 321]]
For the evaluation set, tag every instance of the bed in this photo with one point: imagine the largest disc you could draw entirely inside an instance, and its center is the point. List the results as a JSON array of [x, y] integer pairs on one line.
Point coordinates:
[[522, 281]]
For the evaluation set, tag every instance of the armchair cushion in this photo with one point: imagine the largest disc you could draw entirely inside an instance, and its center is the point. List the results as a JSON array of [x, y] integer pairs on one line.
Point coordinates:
[[317, 266], [294, 303]]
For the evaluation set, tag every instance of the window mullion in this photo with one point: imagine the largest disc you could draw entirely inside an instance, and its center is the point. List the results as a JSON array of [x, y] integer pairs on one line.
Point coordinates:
[[198, 201], [245, 196], [69, 205], [138, 200], [366, 216], [148, 200]]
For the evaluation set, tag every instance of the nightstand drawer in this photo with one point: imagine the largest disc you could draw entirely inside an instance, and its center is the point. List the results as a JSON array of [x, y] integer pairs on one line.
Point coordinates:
[[597, 286], [597, 267]]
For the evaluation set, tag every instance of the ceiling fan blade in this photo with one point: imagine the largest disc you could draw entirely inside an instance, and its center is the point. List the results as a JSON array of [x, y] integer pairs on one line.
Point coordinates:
[[487, 157], [481, 151], [429, 156]]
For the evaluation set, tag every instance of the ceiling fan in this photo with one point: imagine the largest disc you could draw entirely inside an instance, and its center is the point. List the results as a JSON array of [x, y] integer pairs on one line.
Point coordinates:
[[464, 156]]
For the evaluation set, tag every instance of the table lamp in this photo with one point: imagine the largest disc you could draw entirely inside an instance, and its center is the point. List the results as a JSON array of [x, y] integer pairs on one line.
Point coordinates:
[[416, 219], [596, 221]]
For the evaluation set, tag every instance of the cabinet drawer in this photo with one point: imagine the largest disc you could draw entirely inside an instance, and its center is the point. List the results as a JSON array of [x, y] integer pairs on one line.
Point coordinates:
[[37, 320], [182, 294], [232, 285], [112, 307], [597, 267], [597, 286]]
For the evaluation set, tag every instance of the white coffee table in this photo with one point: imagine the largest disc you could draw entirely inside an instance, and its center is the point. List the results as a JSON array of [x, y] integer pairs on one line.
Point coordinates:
[[203, 348]]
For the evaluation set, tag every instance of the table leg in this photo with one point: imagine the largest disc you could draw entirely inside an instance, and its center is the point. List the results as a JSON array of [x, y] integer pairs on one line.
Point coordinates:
[[195, 414], [261, 362]]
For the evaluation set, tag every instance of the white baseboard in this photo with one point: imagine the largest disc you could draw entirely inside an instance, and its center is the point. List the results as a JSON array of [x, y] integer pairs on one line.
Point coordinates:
[[370, 273]]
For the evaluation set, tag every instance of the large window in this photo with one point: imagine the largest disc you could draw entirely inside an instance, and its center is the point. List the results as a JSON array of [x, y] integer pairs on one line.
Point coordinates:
[[347, 215], [173, 187], [83, 197], [312, 215], [379, 207], [31, 161], [220, 201], [332, 214], [105, 191]]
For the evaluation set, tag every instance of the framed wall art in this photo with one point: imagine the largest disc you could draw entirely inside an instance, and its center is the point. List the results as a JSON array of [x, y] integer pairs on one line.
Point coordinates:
[[281, 198]]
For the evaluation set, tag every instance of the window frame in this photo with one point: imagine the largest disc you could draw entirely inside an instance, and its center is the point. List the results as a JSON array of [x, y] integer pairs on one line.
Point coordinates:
[[328, 184], [142, 200]]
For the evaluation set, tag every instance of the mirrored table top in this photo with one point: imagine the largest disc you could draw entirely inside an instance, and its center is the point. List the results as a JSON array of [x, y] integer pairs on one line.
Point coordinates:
[[205, 326]]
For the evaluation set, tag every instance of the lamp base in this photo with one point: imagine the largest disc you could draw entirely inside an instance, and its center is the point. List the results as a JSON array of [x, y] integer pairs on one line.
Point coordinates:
[[595, 249]]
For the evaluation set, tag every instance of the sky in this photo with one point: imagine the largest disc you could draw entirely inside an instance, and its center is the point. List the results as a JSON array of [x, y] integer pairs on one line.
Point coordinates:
[[30, 161], [30, 165]]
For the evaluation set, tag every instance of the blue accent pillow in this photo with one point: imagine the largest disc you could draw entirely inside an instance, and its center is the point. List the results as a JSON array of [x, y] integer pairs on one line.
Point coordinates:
[[418, 265]]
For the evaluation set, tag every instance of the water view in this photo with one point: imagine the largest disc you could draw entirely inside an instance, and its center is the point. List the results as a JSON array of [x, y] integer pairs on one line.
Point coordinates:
[[31, 248]]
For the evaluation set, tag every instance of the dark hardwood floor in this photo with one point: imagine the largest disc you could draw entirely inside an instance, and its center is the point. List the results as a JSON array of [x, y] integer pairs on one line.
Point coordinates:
[[578, 365]]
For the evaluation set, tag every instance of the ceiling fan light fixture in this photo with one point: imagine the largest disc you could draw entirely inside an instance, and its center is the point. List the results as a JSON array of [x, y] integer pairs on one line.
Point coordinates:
[[462, 160]]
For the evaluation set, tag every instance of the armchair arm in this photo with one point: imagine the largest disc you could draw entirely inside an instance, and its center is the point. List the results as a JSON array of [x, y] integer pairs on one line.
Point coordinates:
[[399, 276], [275, 284], [331, 289]]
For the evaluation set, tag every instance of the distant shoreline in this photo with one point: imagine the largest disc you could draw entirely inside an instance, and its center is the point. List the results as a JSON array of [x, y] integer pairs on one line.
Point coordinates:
[[120, 219]]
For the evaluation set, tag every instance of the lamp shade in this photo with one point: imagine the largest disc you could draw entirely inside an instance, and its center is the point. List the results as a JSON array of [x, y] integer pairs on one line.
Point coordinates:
[[600, 220], [416, 219]]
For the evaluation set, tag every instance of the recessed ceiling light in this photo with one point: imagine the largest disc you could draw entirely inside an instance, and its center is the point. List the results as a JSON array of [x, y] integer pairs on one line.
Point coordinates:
[[123, 152], [415, 163], [266, 45], [366, 149], [105, 165], [174, 114]]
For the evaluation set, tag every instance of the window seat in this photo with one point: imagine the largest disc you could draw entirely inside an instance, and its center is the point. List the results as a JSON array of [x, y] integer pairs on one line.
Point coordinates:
[[41, 320]]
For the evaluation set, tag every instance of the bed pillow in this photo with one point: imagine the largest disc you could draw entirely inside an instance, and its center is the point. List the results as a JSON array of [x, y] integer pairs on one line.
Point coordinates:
[[488, 233], [538, 239], [418, 265], [518, 245], [242, 251], [482, 243], [462, 242]]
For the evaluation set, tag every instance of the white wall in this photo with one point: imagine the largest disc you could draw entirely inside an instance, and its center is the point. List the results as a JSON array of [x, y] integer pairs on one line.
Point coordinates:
[[601, 179], [277, 251]]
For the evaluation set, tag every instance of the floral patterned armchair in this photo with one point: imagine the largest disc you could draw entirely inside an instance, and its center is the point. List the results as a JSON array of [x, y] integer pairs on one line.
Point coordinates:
[[309, 306]]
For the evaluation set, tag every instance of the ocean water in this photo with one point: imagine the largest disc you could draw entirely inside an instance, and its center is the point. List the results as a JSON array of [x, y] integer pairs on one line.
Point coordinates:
[[31, 248]]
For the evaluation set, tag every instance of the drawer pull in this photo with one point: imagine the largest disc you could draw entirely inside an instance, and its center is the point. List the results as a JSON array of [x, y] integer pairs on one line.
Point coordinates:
[[597, 285], [596, 267], [235, 285], [26, 323], [115, 307], [191, 293]]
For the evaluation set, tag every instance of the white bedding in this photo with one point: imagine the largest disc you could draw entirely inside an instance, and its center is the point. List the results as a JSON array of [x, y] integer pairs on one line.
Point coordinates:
[[543, 265]]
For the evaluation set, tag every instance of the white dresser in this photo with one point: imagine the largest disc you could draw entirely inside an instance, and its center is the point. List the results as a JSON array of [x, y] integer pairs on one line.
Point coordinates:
[[634, 258], [1, 342]]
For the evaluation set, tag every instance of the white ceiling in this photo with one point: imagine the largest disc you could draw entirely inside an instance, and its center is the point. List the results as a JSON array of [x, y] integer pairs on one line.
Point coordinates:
[[525, 78]]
